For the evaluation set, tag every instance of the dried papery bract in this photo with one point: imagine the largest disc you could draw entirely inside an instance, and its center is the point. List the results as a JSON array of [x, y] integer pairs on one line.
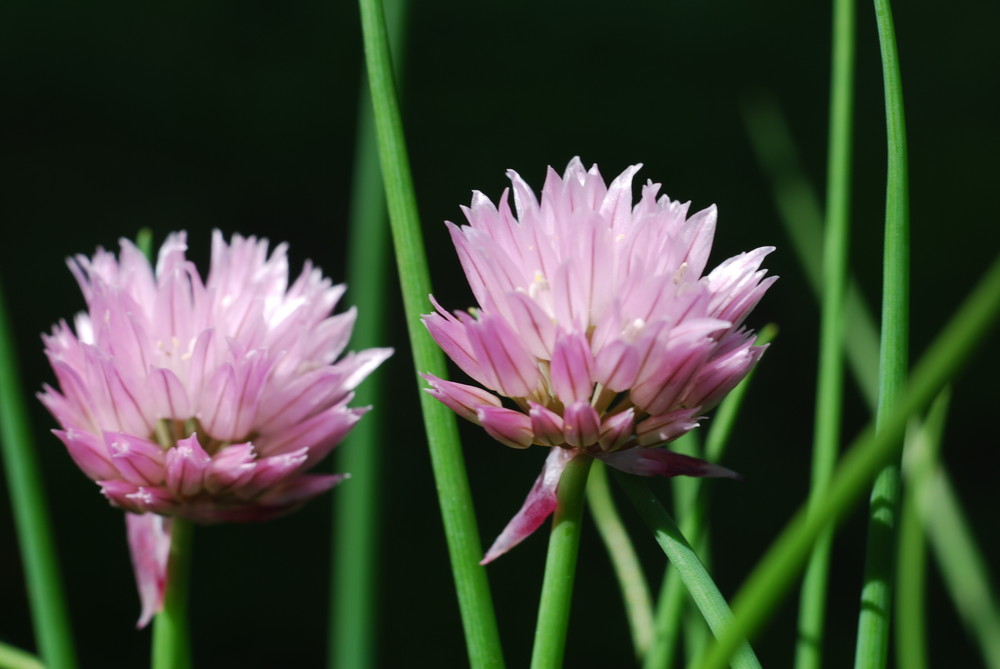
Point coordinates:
[[208, 400], [595, 331]]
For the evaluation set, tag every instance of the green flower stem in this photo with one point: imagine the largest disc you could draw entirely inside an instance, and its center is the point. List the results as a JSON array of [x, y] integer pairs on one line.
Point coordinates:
[[830, 377], [772, 577], [874, 619], [919, 457], [560, 567], [670, 605], [635, 590], [15, 658], [703, 590], [356, 505], [34, 533], [454, 496], [171, 643]]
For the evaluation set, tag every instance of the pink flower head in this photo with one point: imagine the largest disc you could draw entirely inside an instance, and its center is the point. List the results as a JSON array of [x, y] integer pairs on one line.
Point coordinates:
[[209, 400], [596, 324]]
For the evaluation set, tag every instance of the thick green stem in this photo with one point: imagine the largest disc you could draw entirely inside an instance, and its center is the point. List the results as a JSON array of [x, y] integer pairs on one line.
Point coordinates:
[[830, 378], [171, 643], [15, 658], [454, 496], [774, 574], [560, 567], [872, 649], [703, 590], [34, 533]]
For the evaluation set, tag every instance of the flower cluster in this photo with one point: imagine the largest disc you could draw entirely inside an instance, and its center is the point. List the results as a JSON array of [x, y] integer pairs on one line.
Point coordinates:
[[596, 324], [208, 400]]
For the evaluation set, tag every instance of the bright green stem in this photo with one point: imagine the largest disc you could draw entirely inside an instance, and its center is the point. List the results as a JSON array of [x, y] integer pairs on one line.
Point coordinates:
[[703, 590], [454, 496], [872, 649], [923, 443], [830, 377], [870, 452], [171, 643], [34, 534], [966, 577], [635, 591], [560, 567], [15, 658], [356, 505]]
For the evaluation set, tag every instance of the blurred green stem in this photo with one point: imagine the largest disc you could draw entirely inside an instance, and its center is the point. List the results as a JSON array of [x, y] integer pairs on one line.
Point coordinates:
[[354, 552], [830, 377], [15, 658], [171, 641], [454, 496], [923, 443], [34, 533], [560, 566]]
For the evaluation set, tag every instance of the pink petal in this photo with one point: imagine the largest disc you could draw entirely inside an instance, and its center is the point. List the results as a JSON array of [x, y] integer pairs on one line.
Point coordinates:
[[581, 424], [463, 399], [186, 464], [88, 452], [570, 371], [509, 427], [538, 506], [547, 425], [137, 460], [149, 545], [617, 430], [661, 462]]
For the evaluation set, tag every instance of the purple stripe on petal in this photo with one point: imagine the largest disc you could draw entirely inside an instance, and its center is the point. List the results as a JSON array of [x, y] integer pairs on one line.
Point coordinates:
[[88, 452], [137, 460], [571, 370], [186, 464], [547, 425], [617, 430]]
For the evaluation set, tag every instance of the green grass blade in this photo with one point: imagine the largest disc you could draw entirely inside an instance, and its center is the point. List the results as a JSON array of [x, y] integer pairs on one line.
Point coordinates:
[[455, 498], [775, 573], [692, 572], [34, 533], [356, 506]]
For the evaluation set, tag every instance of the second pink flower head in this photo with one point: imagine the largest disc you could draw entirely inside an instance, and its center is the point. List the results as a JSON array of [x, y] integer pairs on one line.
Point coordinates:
[[596, 322]]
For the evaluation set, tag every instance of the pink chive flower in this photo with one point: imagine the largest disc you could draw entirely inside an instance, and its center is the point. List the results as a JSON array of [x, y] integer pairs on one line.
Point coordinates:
[[596, 325], [207, 400]]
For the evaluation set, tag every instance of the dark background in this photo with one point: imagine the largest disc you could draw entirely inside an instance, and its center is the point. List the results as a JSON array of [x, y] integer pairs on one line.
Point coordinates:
[[241, 116]]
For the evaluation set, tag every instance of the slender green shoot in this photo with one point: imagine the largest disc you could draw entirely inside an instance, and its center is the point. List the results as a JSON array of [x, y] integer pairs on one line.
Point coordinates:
[[15, 658], [356, 507], [454, 496], [775, 573], [703, 590], [171, 641], [27, 496], [830, 377], [923, 443], [872, 650], [635, 590], [560, 567]]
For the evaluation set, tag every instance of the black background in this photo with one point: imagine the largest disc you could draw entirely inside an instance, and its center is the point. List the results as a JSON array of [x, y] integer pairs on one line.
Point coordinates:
[[241, 116]]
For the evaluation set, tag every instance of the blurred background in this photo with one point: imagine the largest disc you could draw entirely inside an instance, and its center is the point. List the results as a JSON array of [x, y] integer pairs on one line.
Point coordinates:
[[241, 116]]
